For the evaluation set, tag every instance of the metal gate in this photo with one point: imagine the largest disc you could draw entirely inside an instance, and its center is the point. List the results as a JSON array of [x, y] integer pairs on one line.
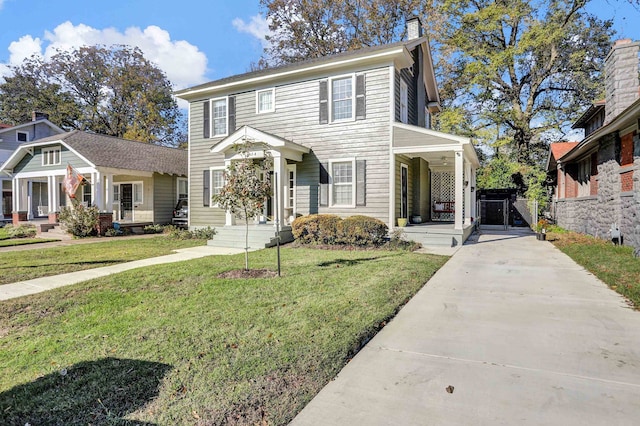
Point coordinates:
[[505, 213]]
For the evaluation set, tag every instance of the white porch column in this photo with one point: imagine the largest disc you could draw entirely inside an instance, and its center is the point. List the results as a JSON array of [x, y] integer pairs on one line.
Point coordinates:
[[15, 190], [279, 169], [29, 203], [229, 218], [467, 193], [97, 191], [459, 189], [51, 197], [108, 190], [474, 203]]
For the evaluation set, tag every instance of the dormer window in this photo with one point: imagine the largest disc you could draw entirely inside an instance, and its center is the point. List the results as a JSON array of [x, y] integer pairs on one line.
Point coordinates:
[[22, 136]]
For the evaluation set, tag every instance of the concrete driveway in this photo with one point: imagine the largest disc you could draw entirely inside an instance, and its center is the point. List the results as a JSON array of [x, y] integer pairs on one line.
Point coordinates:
[[521, 333]]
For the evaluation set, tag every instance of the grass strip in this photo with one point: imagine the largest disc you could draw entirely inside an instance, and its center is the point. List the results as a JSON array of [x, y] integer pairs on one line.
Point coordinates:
[[175, 344], [614, 265], [36, 263]]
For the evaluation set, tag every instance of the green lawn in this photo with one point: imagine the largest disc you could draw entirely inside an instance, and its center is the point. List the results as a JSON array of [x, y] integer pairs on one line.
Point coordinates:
[[7, 241], [174, 344], [42, 262], [614, 265]]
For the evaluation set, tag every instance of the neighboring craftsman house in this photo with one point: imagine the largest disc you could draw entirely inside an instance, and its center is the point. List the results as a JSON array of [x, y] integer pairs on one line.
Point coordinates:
[[10, 138], [130, 182], [598, 185], [350, 134]]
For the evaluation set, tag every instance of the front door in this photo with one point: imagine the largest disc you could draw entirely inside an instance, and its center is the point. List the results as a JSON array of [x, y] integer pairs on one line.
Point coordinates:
[[7, 203], [126, 202]]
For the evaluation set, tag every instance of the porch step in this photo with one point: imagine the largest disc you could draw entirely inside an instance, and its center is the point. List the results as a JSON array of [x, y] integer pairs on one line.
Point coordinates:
[[432, 237], [260, 236], [51, 230]]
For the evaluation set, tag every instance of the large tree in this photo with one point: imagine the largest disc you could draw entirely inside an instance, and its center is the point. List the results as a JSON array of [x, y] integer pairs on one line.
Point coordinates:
[[303, 29], [517, 70], [114, 91]]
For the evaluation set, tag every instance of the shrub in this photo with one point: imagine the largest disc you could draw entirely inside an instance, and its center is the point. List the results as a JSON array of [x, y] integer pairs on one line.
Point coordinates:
[[203, 233], [184, 234], [80, 221], [316, 229], [21, 231], [398, 240], [362, 231], [112, 232], [153, 229]]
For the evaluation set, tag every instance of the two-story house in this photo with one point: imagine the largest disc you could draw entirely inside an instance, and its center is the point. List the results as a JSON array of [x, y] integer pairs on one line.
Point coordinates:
[[598, 185], [10, 138], [350, 134]]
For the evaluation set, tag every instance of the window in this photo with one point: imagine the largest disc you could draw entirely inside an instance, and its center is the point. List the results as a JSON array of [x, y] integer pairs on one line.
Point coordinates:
[[342, 183], [183, 188], [265, 101], [50, 156], [219, 117], [342, 99], [216, 182], [291, 188], [86, 194], [22, 136], [427, 118], [404, 102], [137, 193], [584, 177], [116, 193]]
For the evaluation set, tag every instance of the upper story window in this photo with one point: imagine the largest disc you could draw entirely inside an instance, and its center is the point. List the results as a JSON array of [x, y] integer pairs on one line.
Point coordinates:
[[404, 102], [50, 156], [219, 117], [22, 136], [265, 101], [342, 98]]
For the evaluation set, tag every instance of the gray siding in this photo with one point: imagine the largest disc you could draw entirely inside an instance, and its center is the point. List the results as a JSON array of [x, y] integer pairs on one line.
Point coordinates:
[[296, 118], [34, 163], [164, 197], [36, 131]]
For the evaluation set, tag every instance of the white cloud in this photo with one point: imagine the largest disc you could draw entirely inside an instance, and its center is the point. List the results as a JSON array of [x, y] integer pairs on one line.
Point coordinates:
[[1, 3], [184, 64], [257, 27]]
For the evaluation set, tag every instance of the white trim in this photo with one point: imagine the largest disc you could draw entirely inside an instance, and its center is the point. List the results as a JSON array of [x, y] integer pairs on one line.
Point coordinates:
[[333, 64], [404, 106], [33, 123], [28, 148], [24, 132], [189, 163], [273, 100], [212, 169], [291, 196], [352, 160], [352, 76], [392, 157], [45, 154], [211, 117]]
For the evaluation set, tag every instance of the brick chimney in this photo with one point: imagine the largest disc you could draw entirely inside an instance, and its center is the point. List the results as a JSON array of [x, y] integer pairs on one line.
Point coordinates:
[[621, 77], [414, 28], [36, 115]]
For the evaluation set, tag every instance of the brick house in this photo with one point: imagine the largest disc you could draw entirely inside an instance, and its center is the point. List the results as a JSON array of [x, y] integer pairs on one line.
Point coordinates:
[[597, 184]]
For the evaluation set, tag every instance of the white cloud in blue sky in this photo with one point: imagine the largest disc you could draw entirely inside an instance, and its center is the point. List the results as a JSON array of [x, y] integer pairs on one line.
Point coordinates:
[[257, 26], [184, 63]]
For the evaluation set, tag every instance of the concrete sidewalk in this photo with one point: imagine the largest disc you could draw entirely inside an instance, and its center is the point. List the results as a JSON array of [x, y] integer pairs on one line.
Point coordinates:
[[23, 288], [522, 335]]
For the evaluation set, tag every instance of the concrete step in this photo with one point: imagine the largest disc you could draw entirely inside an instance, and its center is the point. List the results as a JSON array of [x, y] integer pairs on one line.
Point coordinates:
[[259, 237]]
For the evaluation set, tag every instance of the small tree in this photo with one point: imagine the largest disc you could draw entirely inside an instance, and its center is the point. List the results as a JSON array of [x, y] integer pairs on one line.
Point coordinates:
[[246, 186], [80, 221]]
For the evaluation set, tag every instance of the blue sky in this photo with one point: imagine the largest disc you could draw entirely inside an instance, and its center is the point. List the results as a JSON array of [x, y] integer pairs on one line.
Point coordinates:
[[193, 41]]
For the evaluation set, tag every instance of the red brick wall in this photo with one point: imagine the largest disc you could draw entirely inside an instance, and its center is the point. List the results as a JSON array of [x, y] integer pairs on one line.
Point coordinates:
[[626, 151], [626, 181], [571, 181]]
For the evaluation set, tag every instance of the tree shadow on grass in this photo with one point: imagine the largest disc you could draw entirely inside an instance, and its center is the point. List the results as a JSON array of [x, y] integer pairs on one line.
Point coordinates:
[[347, 262], [93, 392], [88, 262]]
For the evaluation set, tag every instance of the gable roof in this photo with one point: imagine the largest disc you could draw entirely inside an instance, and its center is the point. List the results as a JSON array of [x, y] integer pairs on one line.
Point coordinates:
[[590, 112], [5, 128], [113, 152], [398, 51], [556, 151]]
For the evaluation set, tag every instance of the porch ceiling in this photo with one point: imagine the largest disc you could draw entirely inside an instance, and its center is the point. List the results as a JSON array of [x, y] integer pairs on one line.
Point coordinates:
[[435, 147]]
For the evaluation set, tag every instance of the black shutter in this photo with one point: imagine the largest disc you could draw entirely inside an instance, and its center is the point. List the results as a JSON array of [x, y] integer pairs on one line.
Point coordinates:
[[361, 180], [324, 102], [207, 120], [324, 185], [206, 193], [360, 97], [232, 114]]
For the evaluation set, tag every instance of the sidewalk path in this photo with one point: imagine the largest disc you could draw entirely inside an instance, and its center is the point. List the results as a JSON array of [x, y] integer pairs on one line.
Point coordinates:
[[37, 285], [521, 333]]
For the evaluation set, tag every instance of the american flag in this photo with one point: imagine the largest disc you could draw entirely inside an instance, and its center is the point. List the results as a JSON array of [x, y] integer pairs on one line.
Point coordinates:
[[72, 180]]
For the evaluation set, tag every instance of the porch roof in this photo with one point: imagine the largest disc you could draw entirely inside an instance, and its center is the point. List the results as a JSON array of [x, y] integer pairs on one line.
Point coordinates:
[[290, 150], [435, 147]]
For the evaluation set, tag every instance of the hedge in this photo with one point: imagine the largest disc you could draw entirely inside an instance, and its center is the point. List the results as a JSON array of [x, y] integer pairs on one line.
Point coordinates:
[[332, 230]]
